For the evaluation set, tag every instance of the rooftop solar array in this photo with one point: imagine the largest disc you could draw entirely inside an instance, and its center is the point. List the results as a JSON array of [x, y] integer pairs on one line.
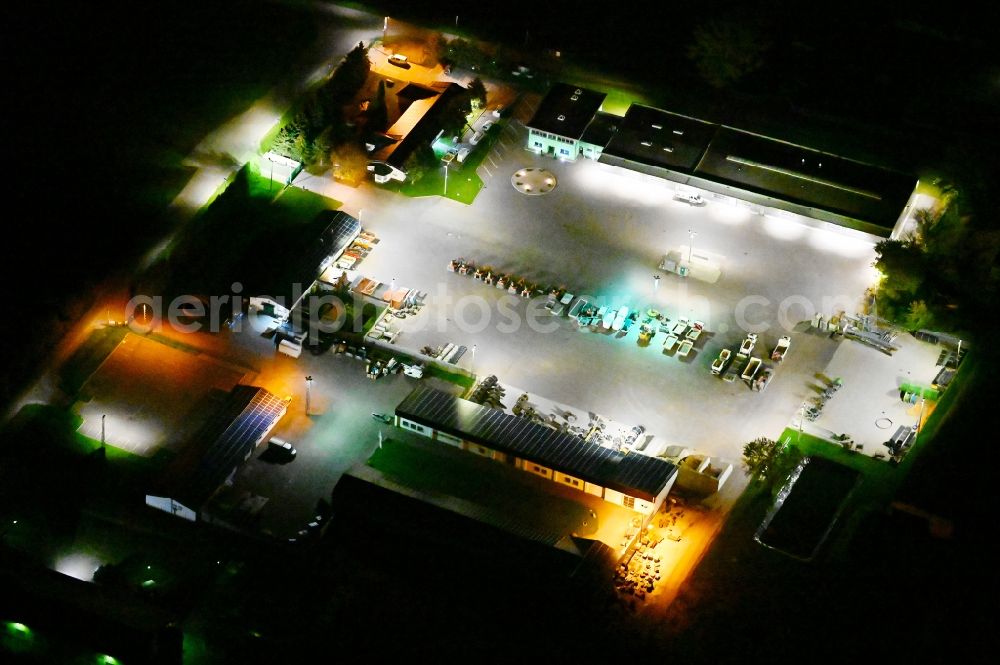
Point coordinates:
[[634, 474], [566, 110], [224, 442]]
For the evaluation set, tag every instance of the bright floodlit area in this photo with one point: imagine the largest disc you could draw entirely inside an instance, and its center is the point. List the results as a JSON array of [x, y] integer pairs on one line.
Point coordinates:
[[602, 233], [152, 395]]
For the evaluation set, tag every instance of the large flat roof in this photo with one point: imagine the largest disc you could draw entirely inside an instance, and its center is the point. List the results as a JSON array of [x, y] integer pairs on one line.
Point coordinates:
[[660, 138], [634, 474], [809, 177], [655, 142], [566, 110], [601, 129], [338, 230]]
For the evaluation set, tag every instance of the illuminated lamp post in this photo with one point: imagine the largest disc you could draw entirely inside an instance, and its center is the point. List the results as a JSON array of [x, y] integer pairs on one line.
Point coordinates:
[[309, 381]]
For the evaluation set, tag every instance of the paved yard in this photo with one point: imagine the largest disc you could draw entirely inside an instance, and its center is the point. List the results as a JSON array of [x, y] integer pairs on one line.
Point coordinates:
[[868, 407], [603, 232], [154, 395]]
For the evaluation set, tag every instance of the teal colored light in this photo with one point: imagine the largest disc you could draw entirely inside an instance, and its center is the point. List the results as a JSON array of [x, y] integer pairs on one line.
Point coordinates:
[[108, 660], [148, 583]]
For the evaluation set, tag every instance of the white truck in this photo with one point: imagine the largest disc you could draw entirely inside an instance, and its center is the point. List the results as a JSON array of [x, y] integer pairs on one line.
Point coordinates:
[[719, 364], [751, 369], [746, 348]]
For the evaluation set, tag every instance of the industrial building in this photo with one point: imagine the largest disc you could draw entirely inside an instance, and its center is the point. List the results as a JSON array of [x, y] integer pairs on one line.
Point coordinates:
[[217, 452], [769, 175], [632, 480]]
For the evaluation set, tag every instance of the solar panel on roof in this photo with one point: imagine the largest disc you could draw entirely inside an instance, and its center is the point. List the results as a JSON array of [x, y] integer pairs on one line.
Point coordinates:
[[637, 475], [233, 431]]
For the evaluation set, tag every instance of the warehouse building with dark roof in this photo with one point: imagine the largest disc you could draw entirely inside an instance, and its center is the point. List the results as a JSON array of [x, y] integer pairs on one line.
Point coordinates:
[[635, 481], [768, 175], [217, 451], [288, 282]]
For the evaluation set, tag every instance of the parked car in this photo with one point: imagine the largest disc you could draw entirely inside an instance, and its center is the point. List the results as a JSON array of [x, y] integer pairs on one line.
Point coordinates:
[[476, 138], [497, 111], [462, 154], [690, 198], [399, 60], [486, 127]]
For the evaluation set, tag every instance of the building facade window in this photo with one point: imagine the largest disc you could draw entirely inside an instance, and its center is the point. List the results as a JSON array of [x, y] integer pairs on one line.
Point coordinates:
[[628, 502]]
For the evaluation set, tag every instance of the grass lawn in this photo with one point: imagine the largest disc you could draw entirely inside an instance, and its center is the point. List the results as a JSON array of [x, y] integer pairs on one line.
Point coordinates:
[[464, 182], [442, 471], [459, 379], [619, 97]]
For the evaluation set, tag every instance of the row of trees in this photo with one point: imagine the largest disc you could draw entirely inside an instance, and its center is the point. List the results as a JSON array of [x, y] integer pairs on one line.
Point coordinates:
[[319, 128], [943, 277]]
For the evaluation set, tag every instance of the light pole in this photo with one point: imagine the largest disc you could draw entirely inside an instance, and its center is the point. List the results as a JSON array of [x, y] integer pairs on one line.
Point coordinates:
[[472, 365], [920, 418], [309, 381], [385, 26], [691, 235], [102, 430], [656, 282], [446, 180]]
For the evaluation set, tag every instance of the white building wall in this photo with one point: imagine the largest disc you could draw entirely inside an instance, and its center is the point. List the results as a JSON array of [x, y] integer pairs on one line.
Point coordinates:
[[449, 439], [596, 490], [168, 505], [417, 427], [553, 145], [645, 507], [614, 496]]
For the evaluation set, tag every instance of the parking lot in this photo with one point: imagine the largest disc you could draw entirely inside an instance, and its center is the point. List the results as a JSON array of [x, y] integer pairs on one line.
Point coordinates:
[[604, 232]]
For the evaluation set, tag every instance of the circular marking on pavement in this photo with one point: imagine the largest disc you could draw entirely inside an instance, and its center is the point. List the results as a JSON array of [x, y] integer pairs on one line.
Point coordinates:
[[533, 182], [883, 423]]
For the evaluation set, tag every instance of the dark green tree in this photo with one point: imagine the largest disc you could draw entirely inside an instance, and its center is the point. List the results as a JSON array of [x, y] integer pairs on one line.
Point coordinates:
[[758, 456], [725, 51], [455, 113], [378, 113], [477, 92], [419, 163]]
